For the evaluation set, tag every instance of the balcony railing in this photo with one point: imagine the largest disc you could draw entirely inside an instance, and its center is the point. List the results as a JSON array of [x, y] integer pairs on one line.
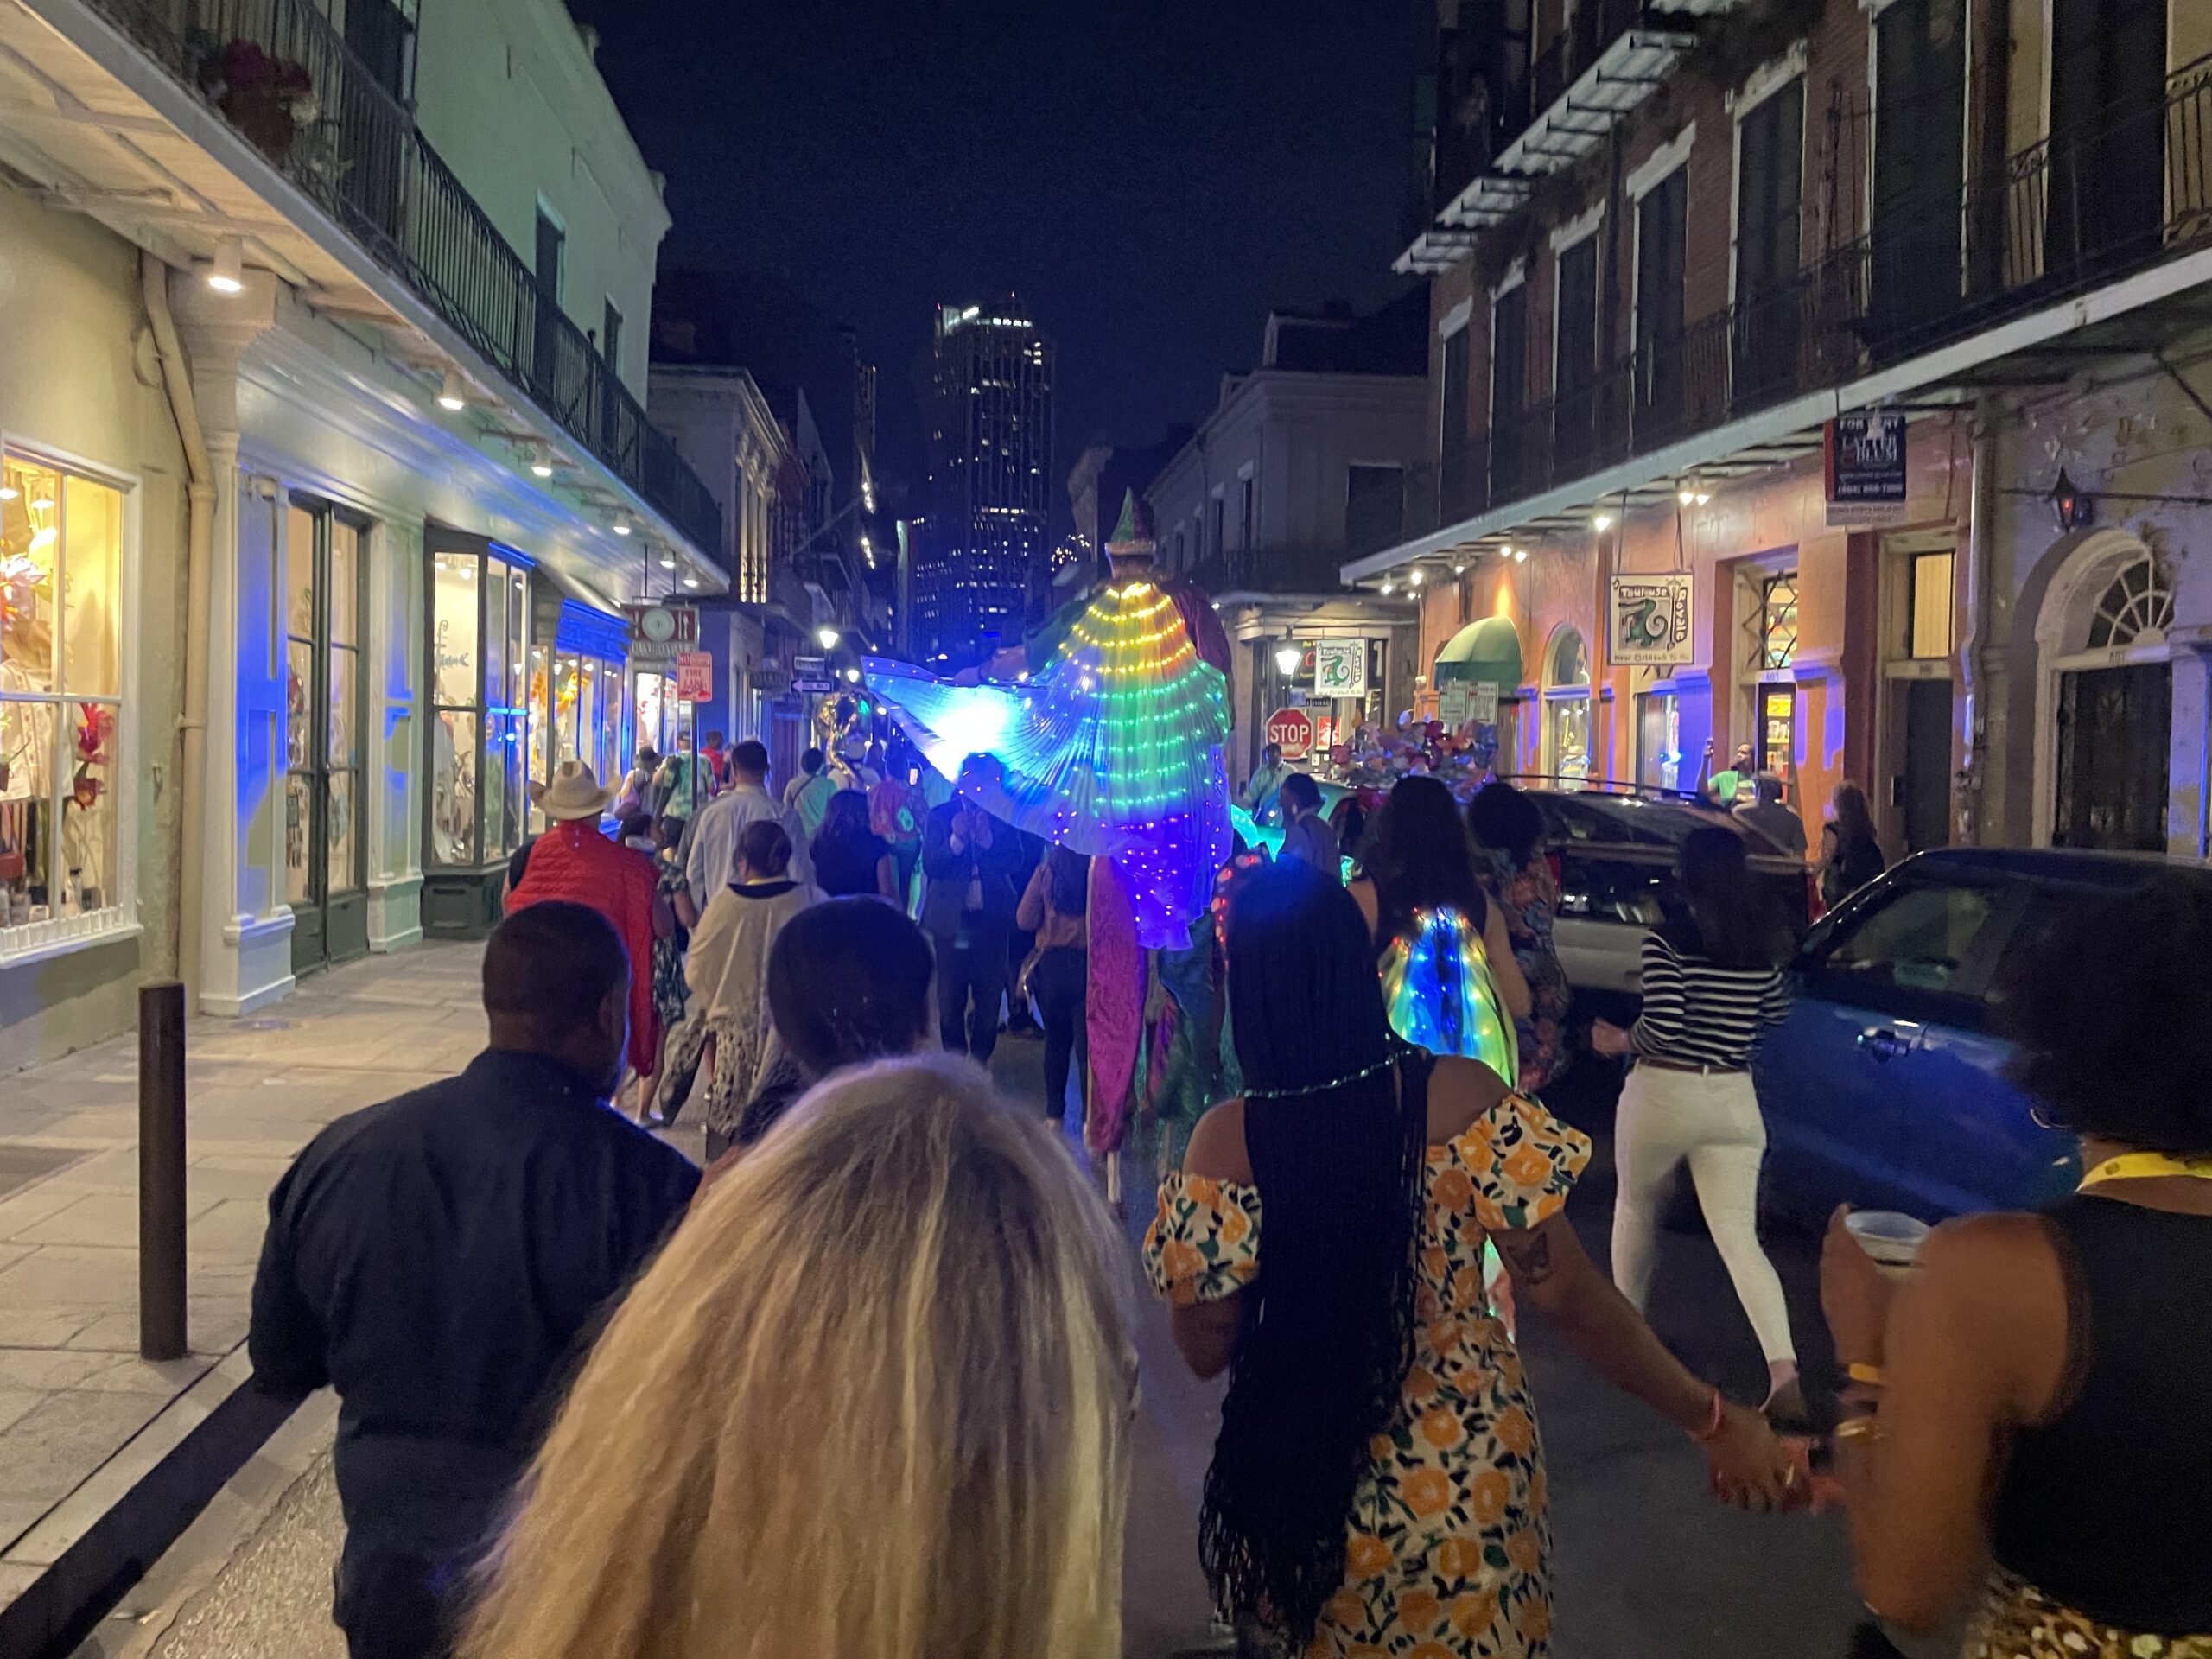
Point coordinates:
[[2076, 212], [281, 75]]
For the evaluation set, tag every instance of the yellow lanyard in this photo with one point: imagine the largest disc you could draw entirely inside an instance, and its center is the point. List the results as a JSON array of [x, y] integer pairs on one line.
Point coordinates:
[[2143, 1166]]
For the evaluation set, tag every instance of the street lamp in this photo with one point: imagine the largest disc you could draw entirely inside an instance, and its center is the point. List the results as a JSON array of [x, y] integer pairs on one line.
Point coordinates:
[[1288, 656], [853, 677], [828, 638]]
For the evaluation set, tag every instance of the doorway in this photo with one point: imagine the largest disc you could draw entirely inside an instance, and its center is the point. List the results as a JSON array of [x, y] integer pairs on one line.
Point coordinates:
[[1923, 784], [2114, 725], [325, 870]]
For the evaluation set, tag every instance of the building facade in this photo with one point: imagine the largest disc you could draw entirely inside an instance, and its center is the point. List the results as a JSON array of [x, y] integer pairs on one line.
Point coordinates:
[[1760, 339], [320, 498], [1302, 464], [981, 565]]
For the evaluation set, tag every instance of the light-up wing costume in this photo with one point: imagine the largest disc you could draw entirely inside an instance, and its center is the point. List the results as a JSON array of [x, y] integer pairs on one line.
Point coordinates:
[[1113, 749], [1442, 996]]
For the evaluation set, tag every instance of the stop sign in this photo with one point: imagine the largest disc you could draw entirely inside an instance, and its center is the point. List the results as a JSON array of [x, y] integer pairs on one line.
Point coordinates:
[[1293, 730]]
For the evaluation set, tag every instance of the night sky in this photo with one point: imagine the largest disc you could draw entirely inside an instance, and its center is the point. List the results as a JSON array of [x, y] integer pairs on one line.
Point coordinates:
[[1150, 176]]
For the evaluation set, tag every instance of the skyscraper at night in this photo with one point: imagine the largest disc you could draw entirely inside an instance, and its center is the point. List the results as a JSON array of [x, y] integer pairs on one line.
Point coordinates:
[[982, 545]]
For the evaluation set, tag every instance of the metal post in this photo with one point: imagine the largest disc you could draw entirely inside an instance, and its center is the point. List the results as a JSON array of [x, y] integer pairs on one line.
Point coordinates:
[[160, 1170]]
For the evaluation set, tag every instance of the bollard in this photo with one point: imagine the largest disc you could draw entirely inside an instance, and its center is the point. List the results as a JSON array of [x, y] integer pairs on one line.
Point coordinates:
[[160, 1170]]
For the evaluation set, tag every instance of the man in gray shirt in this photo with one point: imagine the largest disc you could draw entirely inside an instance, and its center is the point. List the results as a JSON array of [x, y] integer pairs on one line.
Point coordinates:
[[1307, 835], [1768, 815], [710, 838]]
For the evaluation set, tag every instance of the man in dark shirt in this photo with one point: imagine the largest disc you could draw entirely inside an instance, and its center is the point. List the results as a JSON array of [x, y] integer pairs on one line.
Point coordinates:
[[973, 866], [441, 1260]]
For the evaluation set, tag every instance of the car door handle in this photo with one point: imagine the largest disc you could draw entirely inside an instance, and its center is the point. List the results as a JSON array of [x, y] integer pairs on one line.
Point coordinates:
[[1886, 1042]]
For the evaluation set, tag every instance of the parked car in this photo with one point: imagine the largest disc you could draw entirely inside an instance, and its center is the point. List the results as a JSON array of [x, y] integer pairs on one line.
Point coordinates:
[[1885, 1088], [1613, 850]]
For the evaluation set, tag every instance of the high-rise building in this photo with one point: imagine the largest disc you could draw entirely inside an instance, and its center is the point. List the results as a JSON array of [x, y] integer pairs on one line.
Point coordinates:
[[989, 499]]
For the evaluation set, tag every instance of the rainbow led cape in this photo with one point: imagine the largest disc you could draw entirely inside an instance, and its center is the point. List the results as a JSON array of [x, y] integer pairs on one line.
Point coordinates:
[[1113, 749], [1437, 982]]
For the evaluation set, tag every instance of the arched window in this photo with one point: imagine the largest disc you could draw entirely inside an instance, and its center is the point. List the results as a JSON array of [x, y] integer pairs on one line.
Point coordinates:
[[1566, 706], [2140, 600]]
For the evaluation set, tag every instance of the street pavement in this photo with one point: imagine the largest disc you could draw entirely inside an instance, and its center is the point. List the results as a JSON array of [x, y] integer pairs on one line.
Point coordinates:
[[1646, 1562]]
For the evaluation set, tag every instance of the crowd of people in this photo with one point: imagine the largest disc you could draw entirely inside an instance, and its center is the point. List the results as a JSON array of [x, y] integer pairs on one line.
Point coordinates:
[[865, 1385]]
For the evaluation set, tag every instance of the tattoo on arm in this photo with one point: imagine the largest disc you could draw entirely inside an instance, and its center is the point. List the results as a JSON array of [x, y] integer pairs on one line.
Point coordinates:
[[1529, 1255]]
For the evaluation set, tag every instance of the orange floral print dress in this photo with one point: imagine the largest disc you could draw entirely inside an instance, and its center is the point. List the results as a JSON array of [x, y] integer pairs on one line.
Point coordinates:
[[1447, 1546]]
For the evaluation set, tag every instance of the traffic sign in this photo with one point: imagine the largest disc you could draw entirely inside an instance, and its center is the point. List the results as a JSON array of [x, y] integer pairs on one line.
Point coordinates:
[[695, 677], [1292, 729], [809, 685]]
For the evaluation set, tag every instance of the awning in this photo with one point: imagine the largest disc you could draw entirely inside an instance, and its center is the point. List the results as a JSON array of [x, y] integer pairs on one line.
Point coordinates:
[[1487, 650]]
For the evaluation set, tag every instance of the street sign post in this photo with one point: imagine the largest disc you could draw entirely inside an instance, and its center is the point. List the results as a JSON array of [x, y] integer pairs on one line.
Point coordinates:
[[1292, 730]]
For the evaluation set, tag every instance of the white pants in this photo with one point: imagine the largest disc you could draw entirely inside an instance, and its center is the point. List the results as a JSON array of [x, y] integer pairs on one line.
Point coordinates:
[[1711, 1120]]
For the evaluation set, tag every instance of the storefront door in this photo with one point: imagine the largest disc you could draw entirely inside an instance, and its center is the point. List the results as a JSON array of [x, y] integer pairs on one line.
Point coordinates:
[[1924, 786], [324, 872], [2114, 727]]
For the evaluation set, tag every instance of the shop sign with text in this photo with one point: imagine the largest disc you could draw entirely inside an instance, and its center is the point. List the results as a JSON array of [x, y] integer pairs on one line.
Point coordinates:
[[1650, 620], [1865, 452]]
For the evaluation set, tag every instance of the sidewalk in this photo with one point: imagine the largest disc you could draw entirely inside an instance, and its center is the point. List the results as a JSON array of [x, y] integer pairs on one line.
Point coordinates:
[[82, 1418]]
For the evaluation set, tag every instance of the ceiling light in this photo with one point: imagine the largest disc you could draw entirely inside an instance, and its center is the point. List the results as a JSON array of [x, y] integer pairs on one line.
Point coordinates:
[[623, 526], [453, 394], [1520, 556], [1685, 495], [1390, 588], [1601, 522], [1703, 496], [9, 492], [1458, 569], [1413, 577], [828, 638], [668, 561], [226, 271], [541, 461], [690, 581]]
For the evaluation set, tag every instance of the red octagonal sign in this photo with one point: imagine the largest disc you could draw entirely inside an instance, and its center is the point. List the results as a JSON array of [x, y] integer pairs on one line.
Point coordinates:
[[1293, 730]]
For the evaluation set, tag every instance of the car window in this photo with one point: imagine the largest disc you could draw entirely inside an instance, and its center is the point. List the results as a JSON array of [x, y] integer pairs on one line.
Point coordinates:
[[1918, 940]]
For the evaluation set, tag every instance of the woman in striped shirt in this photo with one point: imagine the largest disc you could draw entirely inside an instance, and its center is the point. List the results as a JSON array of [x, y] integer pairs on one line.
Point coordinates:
[[1713, 982]]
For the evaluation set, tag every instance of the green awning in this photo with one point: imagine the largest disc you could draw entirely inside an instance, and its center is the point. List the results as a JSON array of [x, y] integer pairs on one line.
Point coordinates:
[[1487, 650]]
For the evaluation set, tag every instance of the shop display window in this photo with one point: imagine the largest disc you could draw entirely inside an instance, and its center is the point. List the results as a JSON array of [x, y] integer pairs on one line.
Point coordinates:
[[1566, 708], [60, 698], [481, 723]]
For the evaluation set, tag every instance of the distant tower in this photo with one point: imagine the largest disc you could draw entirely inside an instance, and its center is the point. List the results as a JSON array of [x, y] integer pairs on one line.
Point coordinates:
[[983, 552]]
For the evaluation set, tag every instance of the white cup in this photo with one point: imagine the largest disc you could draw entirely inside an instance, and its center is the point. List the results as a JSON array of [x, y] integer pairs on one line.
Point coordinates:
[[1890, 1236]]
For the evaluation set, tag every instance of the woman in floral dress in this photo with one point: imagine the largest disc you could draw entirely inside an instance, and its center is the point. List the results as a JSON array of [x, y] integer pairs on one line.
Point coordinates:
[[1378, 1487]]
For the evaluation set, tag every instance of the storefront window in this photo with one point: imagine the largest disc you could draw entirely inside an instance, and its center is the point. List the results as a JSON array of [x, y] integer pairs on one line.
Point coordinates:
[[1776, 645], [1566, 708], [1659, 740], [481, 723], [1928, 625], [61, 691]]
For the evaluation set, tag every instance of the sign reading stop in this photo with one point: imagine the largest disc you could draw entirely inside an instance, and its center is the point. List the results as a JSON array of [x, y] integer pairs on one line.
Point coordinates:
[[1292, 729]]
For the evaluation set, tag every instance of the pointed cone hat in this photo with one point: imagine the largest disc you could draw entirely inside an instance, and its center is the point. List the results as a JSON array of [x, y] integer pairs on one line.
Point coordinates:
[[1133, 537]]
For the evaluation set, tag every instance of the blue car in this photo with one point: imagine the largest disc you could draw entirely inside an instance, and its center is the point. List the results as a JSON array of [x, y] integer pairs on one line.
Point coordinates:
[[1885, 1088]]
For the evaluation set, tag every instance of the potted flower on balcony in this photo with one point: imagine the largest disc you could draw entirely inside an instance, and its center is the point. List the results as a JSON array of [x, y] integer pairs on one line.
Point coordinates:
[[265, 97]]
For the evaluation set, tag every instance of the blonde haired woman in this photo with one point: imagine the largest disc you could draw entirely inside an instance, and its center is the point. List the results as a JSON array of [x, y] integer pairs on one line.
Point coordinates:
[[870, 1401]]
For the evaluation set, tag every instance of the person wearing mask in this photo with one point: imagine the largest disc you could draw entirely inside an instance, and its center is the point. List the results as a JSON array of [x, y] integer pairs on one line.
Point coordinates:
[[728, 973], [1453, 984], [446, 1328], [1850, 855], [1508, 829], [710, 844], [848, 857], [1378, 1484], [892, 1376], [1306, 836], [1773, 818], [573, 861], [1265, 783], [810, 793], [1055, 908], [969, 861], [849, 982], [1713, 982], [2023, 1430]]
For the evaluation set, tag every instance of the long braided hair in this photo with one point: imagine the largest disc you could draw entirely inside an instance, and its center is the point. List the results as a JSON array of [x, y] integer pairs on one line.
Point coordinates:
[[1337, 1151], [1420, 856]]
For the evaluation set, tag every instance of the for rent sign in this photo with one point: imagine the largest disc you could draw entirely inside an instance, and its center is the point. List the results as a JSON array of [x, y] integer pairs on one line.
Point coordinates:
[[1865, 452]]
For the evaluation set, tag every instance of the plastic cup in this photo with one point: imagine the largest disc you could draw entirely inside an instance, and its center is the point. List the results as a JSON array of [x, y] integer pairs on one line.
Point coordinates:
[[1891, 1237]]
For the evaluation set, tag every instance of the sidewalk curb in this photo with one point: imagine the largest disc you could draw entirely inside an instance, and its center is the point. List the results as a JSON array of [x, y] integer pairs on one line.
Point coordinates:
[[62, 1574]]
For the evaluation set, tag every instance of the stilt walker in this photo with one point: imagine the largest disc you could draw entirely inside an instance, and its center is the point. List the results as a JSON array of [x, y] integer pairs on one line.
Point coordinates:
[[1114, 748]]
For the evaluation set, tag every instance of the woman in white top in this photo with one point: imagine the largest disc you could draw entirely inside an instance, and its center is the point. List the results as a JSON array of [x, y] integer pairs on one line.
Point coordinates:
[[1712, 983], [728, 972]]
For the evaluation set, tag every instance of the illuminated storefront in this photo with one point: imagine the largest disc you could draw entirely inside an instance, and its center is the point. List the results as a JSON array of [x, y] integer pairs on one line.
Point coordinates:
[[576, 706]]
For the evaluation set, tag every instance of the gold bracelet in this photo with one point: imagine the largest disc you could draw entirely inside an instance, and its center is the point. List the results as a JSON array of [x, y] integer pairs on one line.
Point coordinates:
[[1870, 1375], [1868, 1427]]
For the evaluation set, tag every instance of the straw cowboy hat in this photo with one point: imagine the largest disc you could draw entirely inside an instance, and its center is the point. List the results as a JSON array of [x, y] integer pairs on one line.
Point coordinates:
[[574, 793]]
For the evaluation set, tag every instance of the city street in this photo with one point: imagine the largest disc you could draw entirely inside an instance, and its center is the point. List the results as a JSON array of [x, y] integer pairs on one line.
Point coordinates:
[[1646, 1563]]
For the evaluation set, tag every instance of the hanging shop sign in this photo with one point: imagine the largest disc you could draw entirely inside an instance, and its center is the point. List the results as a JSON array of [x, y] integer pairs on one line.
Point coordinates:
[[1651, 623], [695, 677], [1340, 668], [1865, 452], [659, 634], [1292, 730]]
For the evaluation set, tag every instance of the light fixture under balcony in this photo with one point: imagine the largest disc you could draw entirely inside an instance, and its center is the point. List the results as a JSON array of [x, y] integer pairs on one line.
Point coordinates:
[[453, 394], [690, 581], [1520, 556], [668, 560], [541, 461], [1390, 588], [623, 526], [1413, 577], [1458, 569], [1601, 522], [226, 271]]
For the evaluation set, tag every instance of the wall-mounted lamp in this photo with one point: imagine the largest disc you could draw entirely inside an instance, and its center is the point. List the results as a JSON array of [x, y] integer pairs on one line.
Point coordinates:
[[2073, 509]]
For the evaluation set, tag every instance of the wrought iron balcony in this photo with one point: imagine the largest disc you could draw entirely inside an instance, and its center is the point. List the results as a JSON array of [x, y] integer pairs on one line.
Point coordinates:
[[2079, 211], [290, 83]]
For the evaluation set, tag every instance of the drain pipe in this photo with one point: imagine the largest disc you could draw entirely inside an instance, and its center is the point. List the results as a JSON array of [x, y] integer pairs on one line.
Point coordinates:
[[1981, 531], [188, 848]]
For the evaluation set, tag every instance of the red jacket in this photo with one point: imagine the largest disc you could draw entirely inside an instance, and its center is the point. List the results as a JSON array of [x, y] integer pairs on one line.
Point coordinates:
[[573, 862]]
